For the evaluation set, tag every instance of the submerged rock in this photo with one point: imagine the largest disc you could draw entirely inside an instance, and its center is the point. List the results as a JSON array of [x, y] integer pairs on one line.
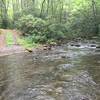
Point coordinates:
[[77, 45], [82, 87], [63, 56], [93, 45], [41, 97], [65, 66], [98, 47]]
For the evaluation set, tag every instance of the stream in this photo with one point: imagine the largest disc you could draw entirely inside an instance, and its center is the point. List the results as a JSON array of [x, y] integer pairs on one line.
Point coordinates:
[[64, 73]]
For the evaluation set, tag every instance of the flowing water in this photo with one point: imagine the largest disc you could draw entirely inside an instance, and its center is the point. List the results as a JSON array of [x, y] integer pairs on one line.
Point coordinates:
[[65, 73]]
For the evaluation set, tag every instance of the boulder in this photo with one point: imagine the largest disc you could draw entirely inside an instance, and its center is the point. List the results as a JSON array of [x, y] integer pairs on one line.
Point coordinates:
[[98, 46], [92, 45], [77, 45]]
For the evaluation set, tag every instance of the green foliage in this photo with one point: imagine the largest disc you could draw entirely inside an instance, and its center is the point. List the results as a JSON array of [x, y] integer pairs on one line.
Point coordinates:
[[40, 30], [47, 20], [29, 25], [9, 39], [56, 31], [27, 42], [82, 24]]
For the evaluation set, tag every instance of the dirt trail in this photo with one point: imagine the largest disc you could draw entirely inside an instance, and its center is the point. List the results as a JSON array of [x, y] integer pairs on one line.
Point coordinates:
[[4, 49], [2, 39], [13, 32]]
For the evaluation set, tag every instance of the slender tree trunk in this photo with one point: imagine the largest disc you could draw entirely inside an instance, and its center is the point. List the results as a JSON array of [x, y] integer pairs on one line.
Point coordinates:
[[94, 10], [42, 7]]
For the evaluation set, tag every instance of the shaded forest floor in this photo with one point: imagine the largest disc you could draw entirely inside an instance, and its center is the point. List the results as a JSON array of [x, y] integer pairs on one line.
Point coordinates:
[[8, 42]]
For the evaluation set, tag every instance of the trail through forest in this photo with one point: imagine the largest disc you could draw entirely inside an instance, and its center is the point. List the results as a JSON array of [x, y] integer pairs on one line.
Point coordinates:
[[14, 47]]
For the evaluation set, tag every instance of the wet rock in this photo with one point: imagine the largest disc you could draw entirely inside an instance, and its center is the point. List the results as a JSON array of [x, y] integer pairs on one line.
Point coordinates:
[[97, 50], [59, 90], [71, 44], [81, 98], [77, 45], [67, 78], [93, 45], [95, 37], [63, 56], [85, 79], [85, 99], [29, 50], [98, 47], [99, 62], [41, 97], [46, 88], [80, 88], [65, 66], [34, 92], [49, 46]]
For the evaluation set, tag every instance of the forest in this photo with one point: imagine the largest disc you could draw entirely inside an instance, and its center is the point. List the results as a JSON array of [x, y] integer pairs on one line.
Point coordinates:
[[49, 49], [45, 21]]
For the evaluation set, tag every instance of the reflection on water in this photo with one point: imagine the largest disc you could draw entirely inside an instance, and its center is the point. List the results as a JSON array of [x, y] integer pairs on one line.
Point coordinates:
[[62, 74]]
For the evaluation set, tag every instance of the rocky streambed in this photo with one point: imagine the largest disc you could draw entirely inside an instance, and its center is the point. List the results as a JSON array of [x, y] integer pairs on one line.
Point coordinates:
[[67, 72]]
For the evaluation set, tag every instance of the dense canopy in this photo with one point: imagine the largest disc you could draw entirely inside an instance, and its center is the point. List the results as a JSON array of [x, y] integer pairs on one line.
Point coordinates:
[[51, 19]]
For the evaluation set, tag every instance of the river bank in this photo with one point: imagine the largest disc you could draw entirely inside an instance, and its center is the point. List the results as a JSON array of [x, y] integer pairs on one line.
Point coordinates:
[[81, 44]]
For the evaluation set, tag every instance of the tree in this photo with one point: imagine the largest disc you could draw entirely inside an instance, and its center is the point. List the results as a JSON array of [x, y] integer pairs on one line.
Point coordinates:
[[4, 12], [94, 11]]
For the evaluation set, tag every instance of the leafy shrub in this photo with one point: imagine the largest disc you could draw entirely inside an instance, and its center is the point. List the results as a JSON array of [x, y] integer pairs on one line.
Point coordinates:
[[40, 30], [30, 25], [56, 31]]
